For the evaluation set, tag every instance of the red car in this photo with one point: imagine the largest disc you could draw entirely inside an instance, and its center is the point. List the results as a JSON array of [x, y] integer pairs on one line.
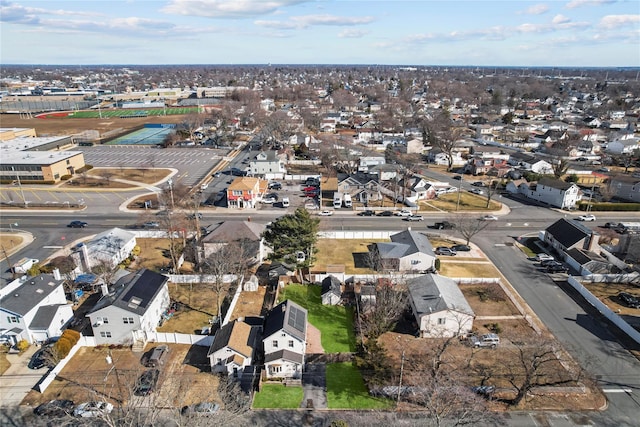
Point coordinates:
[[310, 189]]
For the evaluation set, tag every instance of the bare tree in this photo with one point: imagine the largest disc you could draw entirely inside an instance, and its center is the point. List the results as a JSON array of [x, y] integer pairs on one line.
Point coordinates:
[[468, 226], [107, 175], [443, 134], [383, 317]]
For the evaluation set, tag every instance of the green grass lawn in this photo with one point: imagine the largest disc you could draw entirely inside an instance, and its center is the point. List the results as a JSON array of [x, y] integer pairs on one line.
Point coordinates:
[[346, 389], [278, 396], [334, 322]]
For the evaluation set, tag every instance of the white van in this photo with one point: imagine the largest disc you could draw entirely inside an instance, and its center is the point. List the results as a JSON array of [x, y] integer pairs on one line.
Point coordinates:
[[285, 202], [337, 200], [24, 265], [347, 201]]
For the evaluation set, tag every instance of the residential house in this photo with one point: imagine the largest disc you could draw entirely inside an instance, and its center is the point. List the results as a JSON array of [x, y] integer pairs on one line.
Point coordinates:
[[331, 292], [488, 152], [415, 188], [108, 248], [268, 164], [408, 251], [366, 162], [245, 192], [518, 186], [625, 187], [436, 156], [131, 309], [412, 146], [555, 192], [34, 309], [566, 234], [360, 187], [247, 233], [440, 308], [285, 340], [625, 145], [233, 348], [530, 163], [589, 262]]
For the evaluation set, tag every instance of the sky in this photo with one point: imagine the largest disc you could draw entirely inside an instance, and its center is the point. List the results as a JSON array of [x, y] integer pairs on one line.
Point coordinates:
[[557, 33]]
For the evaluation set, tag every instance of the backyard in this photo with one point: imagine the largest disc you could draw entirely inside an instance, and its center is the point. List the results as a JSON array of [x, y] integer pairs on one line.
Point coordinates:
[[352, 253], [334, 322]]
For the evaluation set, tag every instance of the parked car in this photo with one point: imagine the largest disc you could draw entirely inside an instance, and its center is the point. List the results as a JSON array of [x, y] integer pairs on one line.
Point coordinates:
[[443, 250], [542, 256], [484, 390], [489, 218], [588, 217], [476, 191], [55, 408], [547, 262], [146, 383], [151, 224], [444, 225], [193, 216], [557, 268], [457, 177], [385, 213], [478, 184], [366, 213], [325, 213], [629, 300], [155, 357], [200, 409], [92, 409], [404, 212], [461, 248], [610, 225], [275, 186], [77, 224], [414, 218], [487, 340], [41, 358]]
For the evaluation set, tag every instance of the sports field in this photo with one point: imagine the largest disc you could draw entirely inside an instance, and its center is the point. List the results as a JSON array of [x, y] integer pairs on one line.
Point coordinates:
[[145, 136], [105, 114]]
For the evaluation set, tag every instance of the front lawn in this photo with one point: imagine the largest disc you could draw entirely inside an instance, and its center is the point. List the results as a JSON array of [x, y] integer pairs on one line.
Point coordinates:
[[346, 389], [334, 322], [278, 396]]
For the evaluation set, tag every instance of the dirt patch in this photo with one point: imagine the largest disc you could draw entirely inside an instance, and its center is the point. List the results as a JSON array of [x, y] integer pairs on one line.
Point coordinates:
[[454, 267], [8, 242], [88, 377], [68, 126], [249, 303], [488, 300], [197, 307], [352, 253], [154, 254], [608, 294]]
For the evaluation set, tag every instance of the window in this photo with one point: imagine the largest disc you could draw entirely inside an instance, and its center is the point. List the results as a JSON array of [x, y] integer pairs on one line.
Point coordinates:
[[291, 343], [12, 319], [415, 261], [442, 321], [237, 192], [105, 334], [275, 344], [276, 369], [105, 320], [127, 320]]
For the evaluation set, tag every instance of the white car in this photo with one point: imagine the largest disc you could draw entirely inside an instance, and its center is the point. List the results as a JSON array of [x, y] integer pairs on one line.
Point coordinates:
[[586, 218], [476, 191], [489, 218], [325, 213], [404, 212], [544, 256], [92, 409]]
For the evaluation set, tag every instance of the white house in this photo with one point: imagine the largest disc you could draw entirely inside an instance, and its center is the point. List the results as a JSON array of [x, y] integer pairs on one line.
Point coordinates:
[[285, 340], [133, 308], [625, 145], [530, 163], [439, 307], [268, 163], [249, 234], [232, 348], [34, 310], [555, 192], [331, 293], [110, 247]]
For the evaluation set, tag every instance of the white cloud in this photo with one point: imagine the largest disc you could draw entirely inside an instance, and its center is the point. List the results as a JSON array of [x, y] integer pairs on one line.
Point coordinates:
[[537, 9], [13, 12], [579, 3], [305, 21], [227, 8], [560, 19], [615, 21], [352, 34]]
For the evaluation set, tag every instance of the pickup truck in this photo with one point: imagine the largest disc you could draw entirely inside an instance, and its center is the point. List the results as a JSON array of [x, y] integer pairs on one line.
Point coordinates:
[[24, 265]]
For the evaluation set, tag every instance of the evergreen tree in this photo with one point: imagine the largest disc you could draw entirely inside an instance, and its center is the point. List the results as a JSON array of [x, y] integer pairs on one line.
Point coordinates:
[[289, 234]]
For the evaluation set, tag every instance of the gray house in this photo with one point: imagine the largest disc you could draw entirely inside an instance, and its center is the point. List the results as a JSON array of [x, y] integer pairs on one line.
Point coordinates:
[[233, 347], [331, 293], [130, 310], [285, 340], [440, 308], [408, 251]]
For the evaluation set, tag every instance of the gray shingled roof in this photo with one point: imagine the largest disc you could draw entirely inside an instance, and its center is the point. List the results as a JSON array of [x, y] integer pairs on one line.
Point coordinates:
[[30, 294], [555, 183], [432, 293], [568, 232], [405, 243], [229, 231], [134, 292], [286, 355], [44, 316], [289, 317]]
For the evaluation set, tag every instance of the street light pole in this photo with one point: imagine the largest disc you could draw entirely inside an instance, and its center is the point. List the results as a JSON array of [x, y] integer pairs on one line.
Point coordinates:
[[170, 181], [24, 201], [400, 383]]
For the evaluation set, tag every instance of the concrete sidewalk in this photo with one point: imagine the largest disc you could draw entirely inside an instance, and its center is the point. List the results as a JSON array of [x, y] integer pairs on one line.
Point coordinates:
[[18, 380]]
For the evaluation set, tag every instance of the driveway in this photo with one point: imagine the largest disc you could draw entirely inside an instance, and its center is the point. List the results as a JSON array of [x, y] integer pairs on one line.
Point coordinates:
[[18, 380], [314, 384]]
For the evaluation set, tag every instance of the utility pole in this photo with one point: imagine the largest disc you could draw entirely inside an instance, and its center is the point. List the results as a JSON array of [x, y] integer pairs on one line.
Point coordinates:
[[400, 382], [24, 201], [459, 189]]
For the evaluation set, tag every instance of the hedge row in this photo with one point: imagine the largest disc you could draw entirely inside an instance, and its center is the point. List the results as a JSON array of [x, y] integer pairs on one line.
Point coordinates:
[[605, 206], [66, 342]]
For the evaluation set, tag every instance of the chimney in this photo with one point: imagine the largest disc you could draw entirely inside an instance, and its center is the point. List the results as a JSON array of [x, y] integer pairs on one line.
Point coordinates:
[[56, 274], [105, 289]]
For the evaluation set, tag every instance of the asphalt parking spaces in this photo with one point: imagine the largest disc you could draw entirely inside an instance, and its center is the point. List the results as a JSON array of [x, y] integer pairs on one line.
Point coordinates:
[[193, 164], [314, 384]]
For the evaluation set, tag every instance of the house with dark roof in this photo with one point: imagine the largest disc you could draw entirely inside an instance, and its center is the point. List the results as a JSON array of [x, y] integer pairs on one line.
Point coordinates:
[[131, 309], [407, 251], [331, 293], [440, 308], [285, 340], [233, 348], [566, 234], [268, 164], [531, 163], [554, 192], [35, 310], [246, 232], [108, 248]]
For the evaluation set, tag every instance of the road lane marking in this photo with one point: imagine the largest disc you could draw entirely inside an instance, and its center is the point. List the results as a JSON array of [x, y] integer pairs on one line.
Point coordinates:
[[617, 390]]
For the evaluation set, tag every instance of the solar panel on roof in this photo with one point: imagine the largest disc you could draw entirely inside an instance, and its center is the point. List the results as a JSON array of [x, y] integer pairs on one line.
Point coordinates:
[[296, 319]]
